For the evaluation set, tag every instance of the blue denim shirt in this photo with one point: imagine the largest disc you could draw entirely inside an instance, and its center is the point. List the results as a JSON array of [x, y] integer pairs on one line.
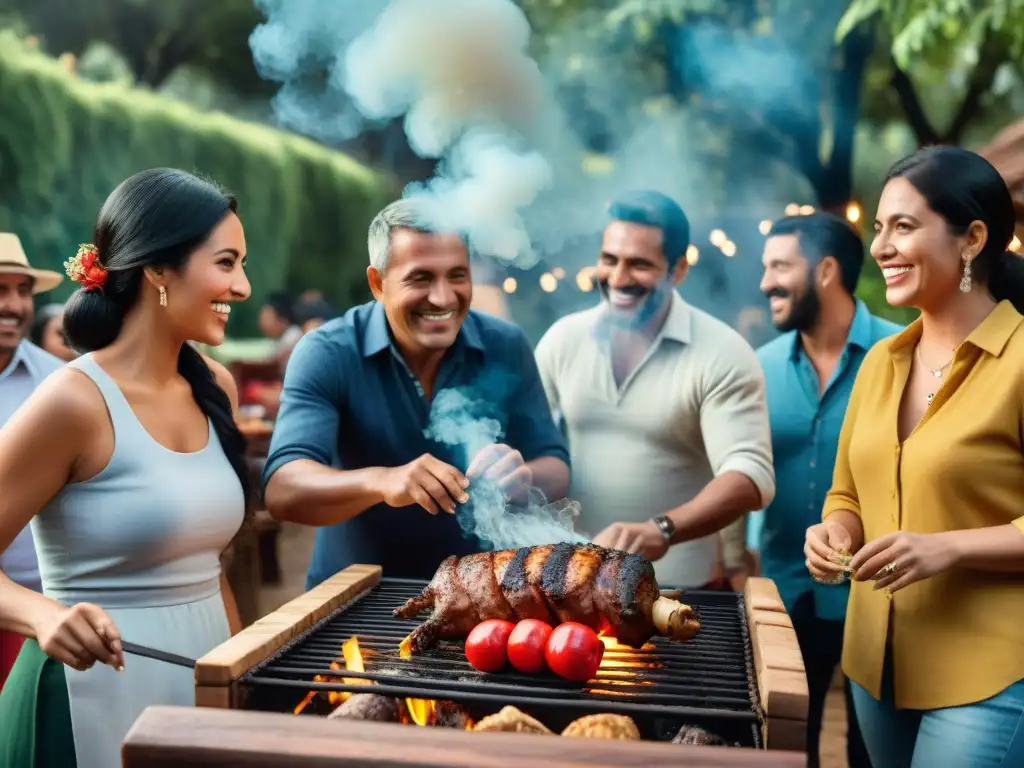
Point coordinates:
[[805, 437], [350, 401]]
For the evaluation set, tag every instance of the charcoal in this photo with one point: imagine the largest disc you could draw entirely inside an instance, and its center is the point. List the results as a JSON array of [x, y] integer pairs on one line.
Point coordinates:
[[368, 706], [448, 714], [691, 734]]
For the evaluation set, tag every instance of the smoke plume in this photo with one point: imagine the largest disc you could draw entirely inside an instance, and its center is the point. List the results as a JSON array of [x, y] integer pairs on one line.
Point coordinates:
[[511, 166], [457, 419]]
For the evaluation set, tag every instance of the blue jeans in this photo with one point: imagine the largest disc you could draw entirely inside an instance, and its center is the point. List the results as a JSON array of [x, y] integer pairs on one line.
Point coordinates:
[[987, 734]]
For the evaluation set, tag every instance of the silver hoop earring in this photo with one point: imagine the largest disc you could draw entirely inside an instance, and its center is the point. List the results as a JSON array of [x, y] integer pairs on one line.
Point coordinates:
[[965, 281], [163, 295]]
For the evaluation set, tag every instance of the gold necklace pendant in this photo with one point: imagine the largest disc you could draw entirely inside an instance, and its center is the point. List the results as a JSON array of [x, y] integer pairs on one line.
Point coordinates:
[[936, 372]]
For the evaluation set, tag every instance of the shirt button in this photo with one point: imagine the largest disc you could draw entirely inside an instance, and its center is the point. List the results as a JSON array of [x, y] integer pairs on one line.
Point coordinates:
[[812, 486], [813, 463]]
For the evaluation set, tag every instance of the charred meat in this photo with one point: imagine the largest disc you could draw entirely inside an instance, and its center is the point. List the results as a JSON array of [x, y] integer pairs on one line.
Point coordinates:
[[605, 589]]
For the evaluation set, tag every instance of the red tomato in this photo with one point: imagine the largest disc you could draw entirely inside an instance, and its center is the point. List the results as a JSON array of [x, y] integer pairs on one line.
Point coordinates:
[[485, 646], [526, 645], [574, 651]]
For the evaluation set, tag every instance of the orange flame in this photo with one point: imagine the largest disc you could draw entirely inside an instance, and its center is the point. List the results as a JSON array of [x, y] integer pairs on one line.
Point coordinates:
[[422, 712], [626, 668]]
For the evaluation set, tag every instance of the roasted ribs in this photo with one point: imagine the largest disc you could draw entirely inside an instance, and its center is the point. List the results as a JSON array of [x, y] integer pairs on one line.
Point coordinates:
[[605, 589]]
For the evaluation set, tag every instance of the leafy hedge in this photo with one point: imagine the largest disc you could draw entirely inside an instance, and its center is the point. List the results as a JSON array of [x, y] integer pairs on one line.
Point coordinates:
[[66, 143]]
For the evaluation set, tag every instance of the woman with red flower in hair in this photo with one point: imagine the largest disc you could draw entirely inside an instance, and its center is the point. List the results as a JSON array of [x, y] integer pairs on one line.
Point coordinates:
[[129, 467]]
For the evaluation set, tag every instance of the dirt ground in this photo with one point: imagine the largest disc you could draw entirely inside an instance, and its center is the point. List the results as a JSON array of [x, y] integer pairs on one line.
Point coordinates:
[[296, 545]]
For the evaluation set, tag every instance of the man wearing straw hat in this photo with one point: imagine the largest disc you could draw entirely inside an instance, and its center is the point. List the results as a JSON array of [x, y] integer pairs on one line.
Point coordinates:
[[23, 366]]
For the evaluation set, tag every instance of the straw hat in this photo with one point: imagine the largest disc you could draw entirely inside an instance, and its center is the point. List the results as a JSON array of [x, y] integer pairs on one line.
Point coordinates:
[[13, 261]]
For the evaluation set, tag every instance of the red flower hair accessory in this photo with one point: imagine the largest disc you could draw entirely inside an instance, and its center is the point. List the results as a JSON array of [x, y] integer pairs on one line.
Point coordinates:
[[85, 268]]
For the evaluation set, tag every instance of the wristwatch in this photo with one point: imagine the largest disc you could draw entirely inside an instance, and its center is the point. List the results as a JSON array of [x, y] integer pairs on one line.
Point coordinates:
[[666, 526]]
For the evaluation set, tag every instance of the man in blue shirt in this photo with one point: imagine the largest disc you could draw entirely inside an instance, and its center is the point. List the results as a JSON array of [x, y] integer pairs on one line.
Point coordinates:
[[395, 414], [811, 267]]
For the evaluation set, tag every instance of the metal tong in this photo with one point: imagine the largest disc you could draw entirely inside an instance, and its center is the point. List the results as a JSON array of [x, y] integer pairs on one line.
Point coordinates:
[[152, 653]]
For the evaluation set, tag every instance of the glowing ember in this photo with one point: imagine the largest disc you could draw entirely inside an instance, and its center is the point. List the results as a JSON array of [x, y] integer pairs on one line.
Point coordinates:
[[422, 712], [612, 661], [353, 656]]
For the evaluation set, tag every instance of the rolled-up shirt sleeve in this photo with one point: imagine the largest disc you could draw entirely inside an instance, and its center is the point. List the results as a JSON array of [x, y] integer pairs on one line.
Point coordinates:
[[308, 419], [531, 428], [734, 418]]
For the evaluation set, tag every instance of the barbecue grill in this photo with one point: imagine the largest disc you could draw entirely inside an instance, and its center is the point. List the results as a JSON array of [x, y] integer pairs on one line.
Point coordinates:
[[741, 678]]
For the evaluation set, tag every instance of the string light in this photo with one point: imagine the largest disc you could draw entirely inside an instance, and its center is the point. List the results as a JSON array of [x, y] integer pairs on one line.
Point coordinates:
[[509, 286], [548, 282], [728, 248], [583, 281], [692, 255], [559, 273], [1015, 244], [792, 209], [853, 213], [717, 237], [806, 210], [764, 227]]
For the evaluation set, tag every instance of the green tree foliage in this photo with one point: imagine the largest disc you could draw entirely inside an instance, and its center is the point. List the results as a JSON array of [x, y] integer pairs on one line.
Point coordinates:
[[66, 143], [955, 48]]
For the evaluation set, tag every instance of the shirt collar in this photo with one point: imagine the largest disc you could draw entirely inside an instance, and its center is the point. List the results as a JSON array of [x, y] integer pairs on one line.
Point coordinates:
[[20, 358], [859, 334], [679, 322], [990, 336], [377, 336]]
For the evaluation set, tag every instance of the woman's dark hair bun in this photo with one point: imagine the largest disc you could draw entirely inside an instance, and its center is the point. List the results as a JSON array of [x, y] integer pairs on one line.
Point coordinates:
[[156, 218], [91, 320]]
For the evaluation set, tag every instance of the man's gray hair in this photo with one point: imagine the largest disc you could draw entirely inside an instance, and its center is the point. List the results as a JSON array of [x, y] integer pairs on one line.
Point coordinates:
[[403, 213]]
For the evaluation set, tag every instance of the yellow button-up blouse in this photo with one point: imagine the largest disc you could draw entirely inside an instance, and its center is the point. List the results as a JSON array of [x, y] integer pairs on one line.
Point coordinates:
[[957, 637]]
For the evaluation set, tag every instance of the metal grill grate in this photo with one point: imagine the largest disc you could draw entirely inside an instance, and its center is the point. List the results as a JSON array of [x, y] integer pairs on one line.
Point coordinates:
[[709, 679]]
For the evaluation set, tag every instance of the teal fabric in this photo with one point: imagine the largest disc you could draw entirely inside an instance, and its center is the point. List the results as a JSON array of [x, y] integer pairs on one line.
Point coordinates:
[[35, 713], [805, 438]]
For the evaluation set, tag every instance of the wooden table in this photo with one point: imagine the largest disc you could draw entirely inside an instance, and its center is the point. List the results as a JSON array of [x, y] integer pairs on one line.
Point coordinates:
[[169, 737]]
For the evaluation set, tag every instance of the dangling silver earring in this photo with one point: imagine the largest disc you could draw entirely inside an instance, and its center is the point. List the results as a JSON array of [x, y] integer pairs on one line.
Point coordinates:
[[163, 294], [965, 281]]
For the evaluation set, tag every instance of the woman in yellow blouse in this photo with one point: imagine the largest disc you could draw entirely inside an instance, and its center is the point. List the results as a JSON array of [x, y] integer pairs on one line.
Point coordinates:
[[928, 490]]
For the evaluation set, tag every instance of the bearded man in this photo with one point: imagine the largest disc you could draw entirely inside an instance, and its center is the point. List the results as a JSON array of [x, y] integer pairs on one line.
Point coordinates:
[[664, 405], [811, 268]]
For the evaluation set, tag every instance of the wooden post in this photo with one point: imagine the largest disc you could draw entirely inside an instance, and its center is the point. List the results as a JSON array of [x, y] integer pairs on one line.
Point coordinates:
[[218, 670], [781, 678]]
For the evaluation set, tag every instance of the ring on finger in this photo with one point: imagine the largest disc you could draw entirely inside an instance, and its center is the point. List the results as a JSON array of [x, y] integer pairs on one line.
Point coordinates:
[[889, 568]]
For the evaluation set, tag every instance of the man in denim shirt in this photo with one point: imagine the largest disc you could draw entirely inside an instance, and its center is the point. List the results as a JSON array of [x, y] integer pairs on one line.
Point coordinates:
[[811, 267], [395, 414]]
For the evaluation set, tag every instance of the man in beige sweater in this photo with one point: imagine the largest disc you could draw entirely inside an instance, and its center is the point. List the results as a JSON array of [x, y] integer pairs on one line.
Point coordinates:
[[664, 405]]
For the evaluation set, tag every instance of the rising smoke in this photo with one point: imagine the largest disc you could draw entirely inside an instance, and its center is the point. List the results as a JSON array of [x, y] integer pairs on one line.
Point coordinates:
[[511, 171], [456, 419]]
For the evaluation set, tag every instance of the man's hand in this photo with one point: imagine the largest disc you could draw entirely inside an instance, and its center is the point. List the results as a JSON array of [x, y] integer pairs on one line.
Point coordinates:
[[640, 538], [503, 466], [426, 481]]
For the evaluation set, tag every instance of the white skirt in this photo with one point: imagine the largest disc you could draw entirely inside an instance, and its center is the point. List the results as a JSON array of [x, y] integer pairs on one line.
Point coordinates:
[[106, 703]]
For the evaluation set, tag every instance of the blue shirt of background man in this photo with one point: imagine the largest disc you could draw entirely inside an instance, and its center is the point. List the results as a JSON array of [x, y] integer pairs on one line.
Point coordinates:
[[805, 437], [349, 400]]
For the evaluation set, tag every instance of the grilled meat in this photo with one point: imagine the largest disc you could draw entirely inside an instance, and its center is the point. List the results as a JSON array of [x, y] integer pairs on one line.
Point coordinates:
[[605, 589], [606, 726], [512, 720]]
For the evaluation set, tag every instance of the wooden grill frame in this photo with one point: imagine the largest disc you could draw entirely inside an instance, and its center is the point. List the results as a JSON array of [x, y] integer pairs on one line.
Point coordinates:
[[781, 679]]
